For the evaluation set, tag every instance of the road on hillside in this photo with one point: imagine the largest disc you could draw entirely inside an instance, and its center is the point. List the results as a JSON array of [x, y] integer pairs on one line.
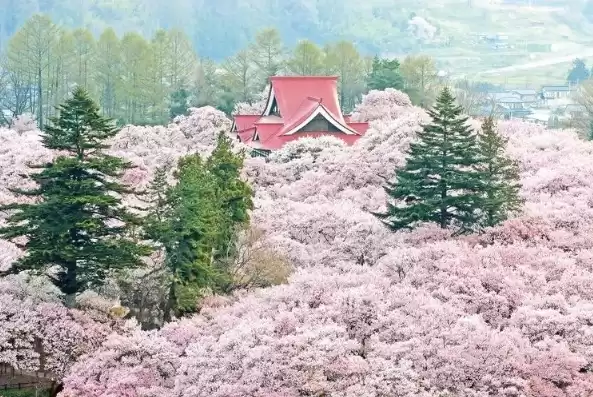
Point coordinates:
[[540, 63]]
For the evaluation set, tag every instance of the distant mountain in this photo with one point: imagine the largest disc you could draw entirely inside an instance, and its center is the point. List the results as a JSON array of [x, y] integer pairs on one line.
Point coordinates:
[[447, 29]]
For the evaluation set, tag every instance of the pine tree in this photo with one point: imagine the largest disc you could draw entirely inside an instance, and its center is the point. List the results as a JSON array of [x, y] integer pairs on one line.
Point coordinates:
[[179, 103], [233, 194], [385, 74], [438, 183], [196, 222], [188, 229], [499, 176], [77, 223], [157, 198]]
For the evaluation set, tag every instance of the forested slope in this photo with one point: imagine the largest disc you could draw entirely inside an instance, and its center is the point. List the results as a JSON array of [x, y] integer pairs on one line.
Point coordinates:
[[220, 28]]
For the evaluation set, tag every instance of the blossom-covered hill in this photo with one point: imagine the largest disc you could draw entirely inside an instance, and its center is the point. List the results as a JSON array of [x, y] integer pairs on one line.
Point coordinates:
[[368, 312]]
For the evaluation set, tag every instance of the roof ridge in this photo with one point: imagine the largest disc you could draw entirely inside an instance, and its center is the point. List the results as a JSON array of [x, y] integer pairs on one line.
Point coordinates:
[[303, 77]]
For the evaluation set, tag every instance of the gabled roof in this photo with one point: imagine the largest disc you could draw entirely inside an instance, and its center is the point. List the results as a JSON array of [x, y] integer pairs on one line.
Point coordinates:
[[246, 135], [557, 88], [506, 97], [308, 110], [244, 121], [300, 100], [290, 91], [525, 92]]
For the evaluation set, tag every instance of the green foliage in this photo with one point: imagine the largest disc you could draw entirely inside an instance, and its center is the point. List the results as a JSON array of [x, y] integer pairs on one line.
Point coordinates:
[[306, 59], [421, 80], [499, 176], [385, 74], [25, 393], [343, 59], [133, 79], [267, 53], [179, 103], [78, 223], [146, 82], [196, 223], [233, 194], [439, 182], [184, 221], [579, 72]]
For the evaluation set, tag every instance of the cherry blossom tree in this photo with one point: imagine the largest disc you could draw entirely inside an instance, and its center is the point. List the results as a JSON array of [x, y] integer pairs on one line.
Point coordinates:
[[365, 312], [38, 333]]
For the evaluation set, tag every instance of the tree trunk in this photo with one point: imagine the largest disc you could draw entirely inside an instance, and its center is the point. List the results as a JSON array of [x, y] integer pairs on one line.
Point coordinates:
[[70, 284], [169, 306], [55, 389], [40, 98]]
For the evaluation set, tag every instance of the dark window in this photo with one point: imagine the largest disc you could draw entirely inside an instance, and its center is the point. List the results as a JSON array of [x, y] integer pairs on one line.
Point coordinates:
[[275, 111], [318, 124]]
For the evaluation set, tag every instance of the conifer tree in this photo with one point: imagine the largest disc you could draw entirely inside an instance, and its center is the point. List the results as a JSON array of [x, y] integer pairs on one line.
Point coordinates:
[[185, 222], [385, 74], [179, 103], [77, 223], [196, 222], [439, 182], [157, 198], [499, 176], [233, 194]]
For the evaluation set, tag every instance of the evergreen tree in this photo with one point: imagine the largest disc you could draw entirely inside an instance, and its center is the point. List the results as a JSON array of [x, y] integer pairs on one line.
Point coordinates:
[[233, 194], [77, 223], [438, 183], [179, 103], [578, 73], [385, 74], [499, 176], [185, 222], [196, 223], [156, 196]]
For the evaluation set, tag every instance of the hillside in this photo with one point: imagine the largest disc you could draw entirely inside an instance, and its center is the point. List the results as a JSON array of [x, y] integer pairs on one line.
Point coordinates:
[[447, 29]]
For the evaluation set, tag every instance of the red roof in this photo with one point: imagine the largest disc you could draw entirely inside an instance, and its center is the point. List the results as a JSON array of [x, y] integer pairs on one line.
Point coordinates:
[[244, 121], [298, 100]]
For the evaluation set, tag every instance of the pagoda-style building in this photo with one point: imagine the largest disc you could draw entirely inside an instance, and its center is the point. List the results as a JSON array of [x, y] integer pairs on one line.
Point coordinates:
[[297, 107]]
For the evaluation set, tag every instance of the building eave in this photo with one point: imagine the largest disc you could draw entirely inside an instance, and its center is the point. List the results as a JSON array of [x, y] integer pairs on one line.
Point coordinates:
[[269, 103], [321, 110]]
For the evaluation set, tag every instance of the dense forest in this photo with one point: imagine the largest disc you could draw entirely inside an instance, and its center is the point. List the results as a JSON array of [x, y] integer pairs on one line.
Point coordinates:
[[149, 81], [221, 28]]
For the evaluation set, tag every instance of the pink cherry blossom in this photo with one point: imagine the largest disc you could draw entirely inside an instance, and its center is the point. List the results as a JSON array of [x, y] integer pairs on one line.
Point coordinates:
[[367, 312]]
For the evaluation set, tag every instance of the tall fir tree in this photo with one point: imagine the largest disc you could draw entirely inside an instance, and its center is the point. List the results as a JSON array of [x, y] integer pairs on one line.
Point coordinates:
[[499, 175], [78, 223], [233, 193], [196, 223], [185, 222], [157, 198], [439, 182]]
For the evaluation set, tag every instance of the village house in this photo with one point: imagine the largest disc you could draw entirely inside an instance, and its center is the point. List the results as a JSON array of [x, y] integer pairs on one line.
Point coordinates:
[[506, 104], [297, 106], [555, 91], [528, 96], [507, 100]]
